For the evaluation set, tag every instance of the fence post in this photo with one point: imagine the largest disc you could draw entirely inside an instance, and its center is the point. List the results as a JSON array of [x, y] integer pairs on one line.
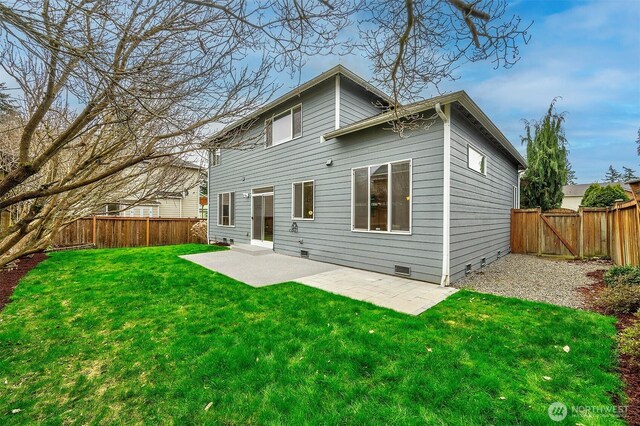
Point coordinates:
[[620, 244], [147, 239], [189, 230], [95, 239], [581, 216], [540, 231]]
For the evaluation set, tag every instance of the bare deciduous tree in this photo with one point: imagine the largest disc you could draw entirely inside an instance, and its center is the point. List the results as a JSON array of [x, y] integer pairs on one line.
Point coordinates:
[[112, 91]]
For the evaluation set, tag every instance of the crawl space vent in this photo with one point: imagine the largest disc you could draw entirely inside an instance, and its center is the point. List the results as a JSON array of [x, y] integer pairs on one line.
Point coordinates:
[[402, 270], [304, 253], [467, 270], [483, 262]]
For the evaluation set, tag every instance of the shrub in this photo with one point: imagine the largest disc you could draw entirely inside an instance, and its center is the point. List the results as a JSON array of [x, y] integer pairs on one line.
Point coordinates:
[[603, 196], [199, 231], [622, 275], [619, 299], [629, 341]]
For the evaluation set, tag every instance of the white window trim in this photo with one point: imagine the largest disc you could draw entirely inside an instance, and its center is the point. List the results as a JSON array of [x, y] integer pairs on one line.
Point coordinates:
[[293, 217], [290, 110], [389, 200], [218, 209], [486, 159]]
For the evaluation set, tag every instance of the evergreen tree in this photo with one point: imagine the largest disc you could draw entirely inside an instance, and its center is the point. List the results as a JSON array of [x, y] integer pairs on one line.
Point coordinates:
[[571, 175], [638, 141], [547, 157], [612, 175], [628, 174]]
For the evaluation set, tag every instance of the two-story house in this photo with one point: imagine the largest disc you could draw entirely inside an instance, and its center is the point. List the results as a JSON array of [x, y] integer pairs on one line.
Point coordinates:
[[330, 179]]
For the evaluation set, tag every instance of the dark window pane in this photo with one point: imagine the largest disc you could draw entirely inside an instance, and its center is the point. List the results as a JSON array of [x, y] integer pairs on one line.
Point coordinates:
[[360, 198], [308, 200], [379, 197], [257, 218], [297, 121], [269, 133], [232, 208], [219, 209], [400, 196], [297, 200], [225, 208]]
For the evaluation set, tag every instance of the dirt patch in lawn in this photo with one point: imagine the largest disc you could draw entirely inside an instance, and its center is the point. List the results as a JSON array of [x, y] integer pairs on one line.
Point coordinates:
[[9, 277], [628, 367]]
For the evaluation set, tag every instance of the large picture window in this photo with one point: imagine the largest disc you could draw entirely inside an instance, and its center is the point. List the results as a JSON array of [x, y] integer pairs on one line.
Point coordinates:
[[382, 198], [284, 127], [226, 209], [303, 207]]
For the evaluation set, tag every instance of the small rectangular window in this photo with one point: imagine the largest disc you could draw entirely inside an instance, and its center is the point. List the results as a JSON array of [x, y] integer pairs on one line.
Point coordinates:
[[112, 209], [226, 209], [284, 126], [476, 160], [303, 200], [215, 157]]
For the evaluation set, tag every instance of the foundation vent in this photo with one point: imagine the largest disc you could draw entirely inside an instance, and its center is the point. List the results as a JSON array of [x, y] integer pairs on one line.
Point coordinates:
[[483, 262], [467, 270], [402, 270], [304, 253]]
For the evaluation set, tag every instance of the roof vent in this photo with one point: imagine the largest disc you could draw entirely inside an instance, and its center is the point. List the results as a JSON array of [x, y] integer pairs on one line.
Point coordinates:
[[402, 270]]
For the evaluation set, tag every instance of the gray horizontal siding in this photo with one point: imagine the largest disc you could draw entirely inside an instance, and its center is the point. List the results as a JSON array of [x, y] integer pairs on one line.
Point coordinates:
[[329, 237], [480, 205], [355, 103]]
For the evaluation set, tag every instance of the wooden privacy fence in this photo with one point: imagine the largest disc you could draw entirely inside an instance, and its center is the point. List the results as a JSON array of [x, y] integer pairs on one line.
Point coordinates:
[[591, 232], [115, 231]]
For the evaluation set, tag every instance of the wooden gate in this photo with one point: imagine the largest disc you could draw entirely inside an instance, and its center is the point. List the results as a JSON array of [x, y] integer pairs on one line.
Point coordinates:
[[560, 232]]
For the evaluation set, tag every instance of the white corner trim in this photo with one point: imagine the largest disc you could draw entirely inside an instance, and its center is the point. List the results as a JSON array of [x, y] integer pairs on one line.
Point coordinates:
[[446, 198], [520, 173], [337, 117]]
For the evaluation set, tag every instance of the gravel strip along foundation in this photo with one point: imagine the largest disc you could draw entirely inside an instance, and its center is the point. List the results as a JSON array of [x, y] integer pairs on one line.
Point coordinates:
[[534, 278]]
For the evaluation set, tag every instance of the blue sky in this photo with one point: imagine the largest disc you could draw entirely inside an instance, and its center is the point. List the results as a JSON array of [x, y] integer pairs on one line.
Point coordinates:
[[588, 53]]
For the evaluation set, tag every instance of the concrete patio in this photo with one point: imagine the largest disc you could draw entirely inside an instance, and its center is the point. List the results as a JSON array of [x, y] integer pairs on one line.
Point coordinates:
[[259, 267]]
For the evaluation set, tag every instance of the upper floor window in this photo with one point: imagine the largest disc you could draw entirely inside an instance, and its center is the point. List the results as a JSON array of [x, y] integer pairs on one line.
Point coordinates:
[[303, 200], [214, 157], [382, 198], [284, 127], [476, 160]]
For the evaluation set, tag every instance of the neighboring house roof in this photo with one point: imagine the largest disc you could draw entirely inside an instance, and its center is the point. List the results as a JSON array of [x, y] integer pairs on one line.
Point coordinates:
[[179, 162], [338, 69], [579, 189], [460, 98]]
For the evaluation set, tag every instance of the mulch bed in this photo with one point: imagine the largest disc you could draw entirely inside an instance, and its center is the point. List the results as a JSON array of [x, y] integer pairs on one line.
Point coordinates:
[[9, 278], [628, 368]]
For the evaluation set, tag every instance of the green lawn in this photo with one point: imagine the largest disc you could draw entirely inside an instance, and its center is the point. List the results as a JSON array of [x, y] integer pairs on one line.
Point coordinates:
[[141, 336]]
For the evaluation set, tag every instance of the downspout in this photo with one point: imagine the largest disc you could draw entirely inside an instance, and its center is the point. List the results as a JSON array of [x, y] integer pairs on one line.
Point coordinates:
[[446, 195], [520, 173]]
